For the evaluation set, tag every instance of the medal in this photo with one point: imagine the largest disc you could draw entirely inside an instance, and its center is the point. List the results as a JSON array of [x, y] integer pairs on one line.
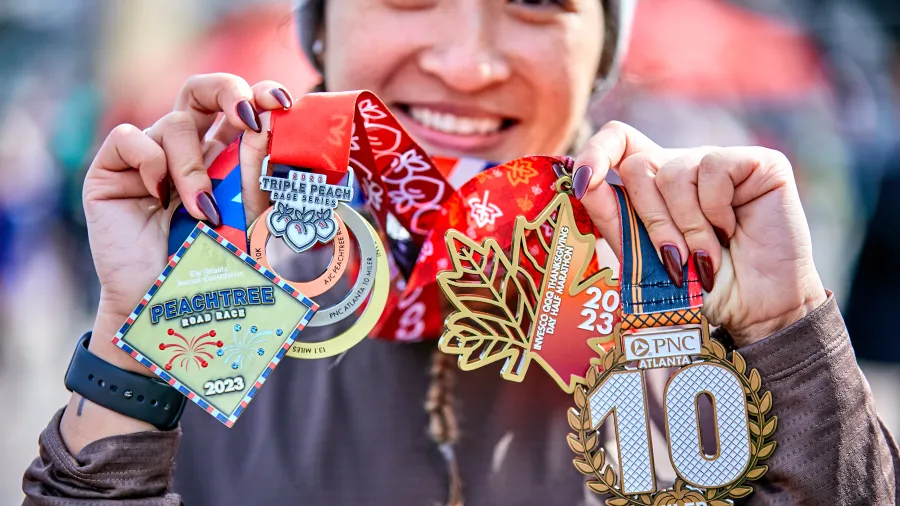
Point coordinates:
[[308, 210], [742, 423], [305, 204], [373, 281], [662, 327], [215, 324], [539, 303]]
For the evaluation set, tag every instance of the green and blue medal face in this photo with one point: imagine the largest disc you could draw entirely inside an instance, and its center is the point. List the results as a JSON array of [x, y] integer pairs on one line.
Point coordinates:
[[215, 324]]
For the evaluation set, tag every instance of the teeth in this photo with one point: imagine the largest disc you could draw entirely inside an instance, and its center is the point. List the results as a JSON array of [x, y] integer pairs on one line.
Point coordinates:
[[453, 124]]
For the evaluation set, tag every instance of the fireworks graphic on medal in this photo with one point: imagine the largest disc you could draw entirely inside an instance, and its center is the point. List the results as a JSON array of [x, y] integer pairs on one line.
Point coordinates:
[[197, 350], [247, 346]]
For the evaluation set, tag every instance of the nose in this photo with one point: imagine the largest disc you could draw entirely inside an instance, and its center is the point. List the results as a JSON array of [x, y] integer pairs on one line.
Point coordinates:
[[464, 56]]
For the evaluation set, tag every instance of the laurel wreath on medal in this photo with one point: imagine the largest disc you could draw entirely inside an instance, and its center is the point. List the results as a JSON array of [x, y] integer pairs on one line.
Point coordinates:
[[591, 458]]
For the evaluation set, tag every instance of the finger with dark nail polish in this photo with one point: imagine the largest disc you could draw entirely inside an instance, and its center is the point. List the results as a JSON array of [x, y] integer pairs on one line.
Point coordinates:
[[705, 270], [209, 208], [672, 262], [248, 115], [722, 237], [164, 191], [282, 97], [580, 180]]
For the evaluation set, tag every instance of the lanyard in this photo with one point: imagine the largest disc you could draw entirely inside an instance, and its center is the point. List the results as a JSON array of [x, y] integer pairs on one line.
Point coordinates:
[[649, 298]]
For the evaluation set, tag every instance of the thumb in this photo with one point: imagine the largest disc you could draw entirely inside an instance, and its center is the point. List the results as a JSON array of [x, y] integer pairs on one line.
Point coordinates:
[[596, 164]]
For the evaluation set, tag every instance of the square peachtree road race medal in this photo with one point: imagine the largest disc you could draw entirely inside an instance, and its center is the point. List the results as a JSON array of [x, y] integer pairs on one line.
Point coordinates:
[[215, 324]]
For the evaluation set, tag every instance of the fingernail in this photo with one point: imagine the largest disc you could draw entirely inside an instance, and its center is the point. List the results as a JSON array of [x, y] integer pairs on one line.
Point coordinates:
[[672, 261], [282, 97], [705, 270], [580, 180], [164, 190], [722, 237], [208, 207], [248, 115]]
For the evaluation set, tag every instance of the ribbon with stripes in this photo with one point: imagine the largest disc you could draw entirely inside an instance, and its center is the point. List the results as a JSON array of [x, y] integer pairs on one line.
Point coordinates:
[[649, 297]]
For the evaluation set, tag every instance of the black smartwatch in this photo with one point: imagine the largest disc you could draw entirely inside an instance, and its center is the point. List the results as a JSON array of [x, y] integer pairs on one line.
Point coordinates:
[[134, 395]]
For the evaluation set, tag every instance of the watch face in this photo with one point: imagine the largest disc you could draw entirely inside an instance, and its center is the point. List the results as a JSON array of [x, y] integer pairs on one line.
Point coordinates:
[[215, 324]]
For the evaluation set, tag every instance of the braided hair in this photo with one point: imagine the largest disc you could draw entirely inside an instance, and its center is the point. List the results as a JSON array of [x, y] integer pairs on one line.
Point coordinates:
[[442, 424]]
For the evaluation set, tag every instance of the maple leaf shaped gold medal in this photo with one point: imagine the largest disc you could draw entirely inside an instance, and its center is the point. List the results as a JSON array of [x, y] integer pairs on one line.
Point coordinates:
[[535, 304]]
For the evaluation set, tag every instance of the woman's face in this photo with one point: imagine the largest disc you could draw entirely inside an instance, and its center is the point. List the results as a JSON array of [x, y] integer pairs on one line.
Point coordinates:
[[492, 79]]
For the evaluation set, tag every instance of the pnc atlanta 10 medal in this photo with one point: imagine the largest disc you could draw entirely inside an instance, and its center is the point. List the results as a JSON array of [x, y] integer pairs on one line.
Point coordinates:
[[516, 308]]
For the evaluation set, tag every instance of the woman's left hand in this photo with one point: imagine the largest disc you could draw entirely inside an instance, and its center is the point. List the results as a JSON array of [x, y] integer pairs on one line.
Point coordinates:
[[757, 267]]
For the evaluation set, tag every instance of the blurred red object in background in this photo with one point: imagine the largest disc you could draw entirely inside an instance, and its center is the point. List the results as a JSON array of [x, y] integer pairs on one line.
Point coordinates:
[[711, 49]]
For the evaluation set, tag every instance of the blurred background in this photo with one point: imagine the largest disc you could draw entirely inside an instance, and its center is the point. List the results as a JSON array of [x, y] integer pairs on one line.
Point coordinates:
[[816, 79]]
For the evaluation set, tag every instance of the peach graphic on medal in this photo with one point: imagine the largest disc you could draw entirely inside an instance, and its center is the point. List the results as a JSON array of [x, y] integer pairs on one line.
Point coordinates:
[[304, 203], [278, 220], [299, 235], [325, 227]]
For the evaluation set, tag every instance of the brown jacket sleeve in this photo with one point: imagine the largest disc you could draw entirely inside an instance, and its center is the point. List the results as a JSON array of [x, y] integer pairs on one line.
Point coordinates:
[[832, 448], [129, 470]]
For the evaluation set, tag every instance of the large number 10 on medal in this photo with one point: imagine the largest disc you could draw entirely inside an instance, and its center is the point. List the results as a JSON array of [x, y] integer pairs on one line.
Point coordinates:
[[645, 323]]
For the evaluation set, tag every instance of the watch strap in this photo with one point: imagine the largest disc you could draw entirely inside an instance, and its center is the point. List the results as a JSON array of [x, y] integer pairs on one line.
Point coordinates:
[[134, 395]]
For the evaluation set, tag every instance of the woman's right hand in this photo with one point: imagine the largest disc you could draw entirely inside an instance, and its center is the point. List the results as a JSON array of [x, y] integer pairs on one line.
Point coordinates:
[[128, 186], [130, 193]]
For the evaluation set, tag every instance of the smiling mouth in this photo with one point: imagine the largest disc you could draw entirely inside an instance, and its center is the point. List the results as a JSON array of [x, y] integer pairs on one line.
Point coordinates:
[[456, 124]]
